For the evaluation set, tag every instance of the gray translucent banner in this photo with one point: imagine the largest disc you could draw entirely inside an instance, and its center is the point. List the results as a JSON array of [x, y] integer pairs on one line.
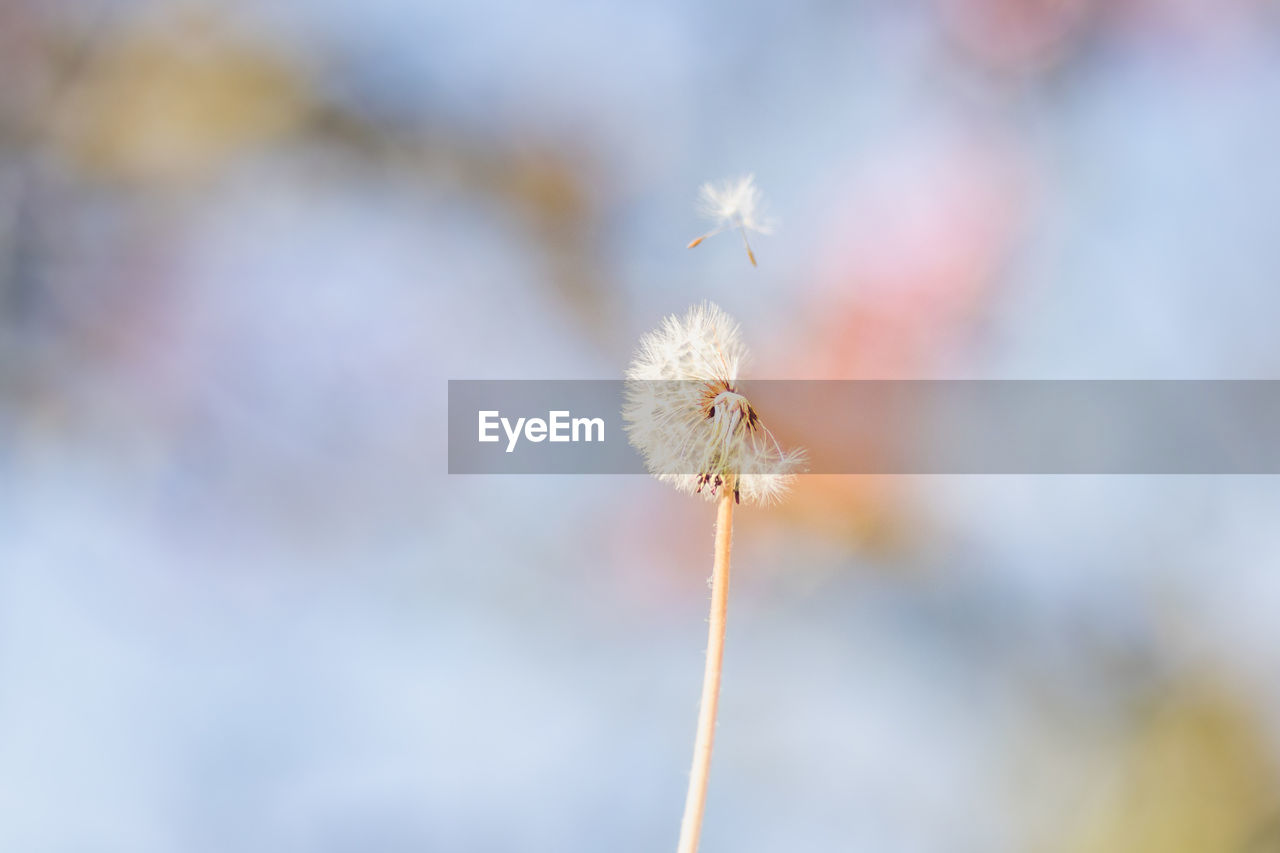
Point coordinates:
[[897, 427]]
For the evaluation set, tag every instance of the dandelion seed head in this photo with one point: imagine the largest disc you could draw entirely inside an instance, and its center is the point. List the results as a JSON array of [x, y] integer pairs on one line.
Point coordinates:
[[686, 415], [705, 343]]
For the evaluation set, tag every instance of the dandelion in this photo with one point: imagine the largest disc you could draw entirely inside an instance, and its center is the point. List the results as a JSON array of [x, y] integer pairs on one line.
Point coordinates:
[[733, 204], [698, 432], [690, 421]]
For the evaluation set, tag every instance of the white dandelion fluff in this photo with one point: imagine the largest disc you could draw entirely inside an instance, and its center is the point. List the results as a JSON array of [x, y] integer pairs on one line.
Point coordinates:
[[734, 204], [686, 415]]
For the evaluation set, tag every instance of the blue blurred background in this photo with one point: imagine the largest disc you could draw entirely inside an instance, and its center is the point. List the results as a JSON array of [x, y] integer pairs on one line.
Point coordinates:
[[243, 245]]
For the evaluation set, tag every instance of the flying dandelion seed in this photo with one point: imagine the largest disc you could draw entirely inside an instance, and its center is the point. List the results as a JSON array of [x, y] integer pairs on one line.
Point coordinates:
[[688, 418], [698, 432], [733, 204]]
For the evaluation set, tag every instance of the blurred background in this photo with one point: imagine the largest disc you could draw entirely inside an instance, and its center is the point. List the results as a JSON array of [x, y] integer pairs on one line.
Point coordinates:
[[243, 245]]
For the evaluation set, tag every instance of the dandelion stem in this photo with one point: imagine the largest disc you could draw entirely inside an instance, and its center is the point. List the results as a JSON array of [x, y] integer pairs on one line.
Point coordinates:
[[695, 802]]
